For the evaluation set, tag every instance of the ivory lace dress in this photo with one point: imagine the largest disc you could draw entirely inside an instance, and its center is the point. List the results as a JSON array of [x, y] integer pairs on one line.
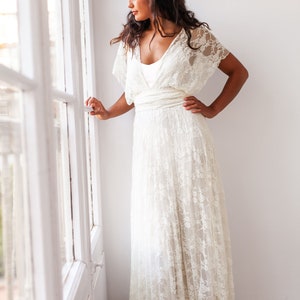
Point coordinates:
[[180, 239]]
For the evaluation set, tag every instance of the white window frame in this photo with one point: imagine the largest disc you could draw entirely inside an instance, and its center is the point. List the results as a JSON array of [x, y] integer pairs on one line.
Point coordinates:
[[96, 234], [38, 95]]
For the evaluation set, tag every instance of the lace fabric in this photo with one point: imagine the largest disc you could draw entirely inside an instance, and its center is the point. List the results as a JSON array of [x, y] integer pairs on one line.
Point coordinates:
[[180, 239]]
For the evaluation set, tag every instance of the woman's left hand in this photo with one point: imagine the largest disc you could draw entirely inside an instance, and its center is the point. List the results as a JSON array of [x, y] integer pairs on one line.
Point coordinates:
[[196, 106]]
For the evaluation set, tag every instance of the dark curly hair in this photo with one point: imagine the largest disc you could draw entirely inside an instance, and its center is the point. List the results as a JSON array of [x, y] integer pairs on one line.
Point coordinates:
[[172, 10]]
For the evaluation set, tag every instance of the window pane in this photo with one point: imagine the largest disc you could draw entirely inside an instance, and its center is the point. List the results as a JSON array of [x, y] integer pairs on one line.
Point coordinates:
[[9, 39], [15, 255], [89, 172], [56, 44], [86, 89], [63, 181]]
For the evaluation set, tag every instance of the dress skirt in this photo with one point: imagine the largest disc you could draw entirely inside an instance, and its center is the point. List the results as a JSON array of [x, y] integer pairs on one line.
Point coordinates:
[[180, 241]]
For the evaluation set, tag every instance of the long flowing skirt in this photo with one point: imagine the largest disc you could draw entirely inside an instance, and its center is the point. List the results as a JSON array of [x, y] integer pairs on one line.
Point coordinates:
[[180, 239]]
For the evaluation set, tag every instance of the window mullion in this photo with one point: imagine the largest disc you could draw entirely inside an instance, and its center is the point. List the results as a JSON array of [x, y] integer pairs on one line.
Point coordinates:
[[61, 96], [16, 79]]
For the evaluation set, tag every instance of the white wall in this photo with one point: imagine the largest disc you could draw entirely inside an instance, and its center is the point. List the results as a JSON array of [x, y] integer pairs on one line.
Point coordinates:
[[257, 143]]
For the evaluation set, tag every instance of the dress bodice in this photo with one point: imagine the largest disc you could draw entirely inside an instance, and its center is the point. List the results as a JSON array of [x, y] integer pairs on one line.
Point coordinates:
[[182, 70], [150, 72]]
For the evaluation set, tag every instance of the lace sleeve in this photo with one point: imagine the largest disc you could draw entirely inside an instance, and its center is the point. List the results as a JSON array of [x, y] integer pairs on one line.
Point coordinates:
[[209, 45], [120, 65], [194, 67]]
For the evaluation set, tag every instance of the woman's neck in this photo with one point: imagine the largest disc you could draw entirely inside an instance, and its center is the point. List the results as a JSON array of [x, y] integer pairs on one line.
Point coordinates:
[[165, 26]]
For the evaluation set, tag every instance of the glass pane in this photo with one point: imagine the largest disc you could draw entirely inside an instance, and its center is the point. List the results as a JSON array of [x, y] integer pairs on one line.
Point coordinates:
[[15, 255], [63, 181], [9, 36], [86, 79], [56, 44], [89, 172]]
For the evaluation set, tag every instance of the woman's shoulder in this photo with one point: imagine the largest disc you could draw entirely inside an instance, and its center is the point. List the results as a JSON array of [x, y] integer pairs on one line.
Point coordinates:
[[202, 37], [201, 33]]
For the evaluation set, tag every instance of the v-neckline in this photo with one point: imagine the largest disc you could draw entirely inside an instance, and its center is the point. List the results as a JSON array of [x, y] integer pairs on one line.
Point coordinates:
[[159, 60], [164, 54]]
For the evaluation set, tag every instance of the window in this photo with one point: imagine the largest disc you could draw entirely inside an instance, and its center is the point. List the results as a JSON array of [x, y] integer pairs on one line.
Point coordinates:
[[15, 255], [92, 140], [61, 114], [61, 135], [50, 216], [15, 259]]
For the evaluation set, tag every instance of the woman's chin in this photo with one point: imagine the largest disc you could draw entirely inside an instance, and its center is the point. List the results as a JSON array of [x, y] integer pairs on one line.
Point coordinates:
[[140, 19]]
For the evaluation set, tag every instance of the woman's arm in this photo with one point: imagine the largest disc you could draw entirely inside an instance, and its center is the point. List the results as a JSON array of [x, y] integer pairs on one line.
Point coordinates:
[[120, 107], [237, 75]]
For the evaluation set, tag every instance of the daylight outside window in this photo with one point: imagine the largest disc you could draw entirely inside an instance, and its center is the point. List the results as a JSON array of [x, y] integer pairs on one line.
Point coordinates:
[[15, 255]]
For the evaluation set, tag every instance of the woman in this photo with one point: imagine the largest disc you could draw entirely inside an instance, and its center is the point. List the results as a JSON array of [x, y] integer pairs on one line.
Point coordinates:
[[180, 240]]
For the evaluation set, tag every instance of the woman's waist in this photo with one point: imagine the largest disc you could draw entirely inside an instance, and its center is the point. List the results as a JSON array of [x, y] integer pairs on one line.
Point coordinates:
[[153, 99]]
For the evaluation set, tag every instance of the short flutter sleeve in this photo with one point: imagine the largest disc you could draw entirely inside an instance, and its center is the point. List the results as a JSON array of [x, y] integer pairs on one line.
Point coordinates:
[[120, 65], [208, 45], [195, 66]]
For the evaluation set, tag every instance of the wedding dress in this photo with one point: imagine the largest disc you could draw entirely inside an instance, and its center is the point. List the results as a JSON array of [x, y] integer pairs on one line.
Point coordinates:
[[180, 240]]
